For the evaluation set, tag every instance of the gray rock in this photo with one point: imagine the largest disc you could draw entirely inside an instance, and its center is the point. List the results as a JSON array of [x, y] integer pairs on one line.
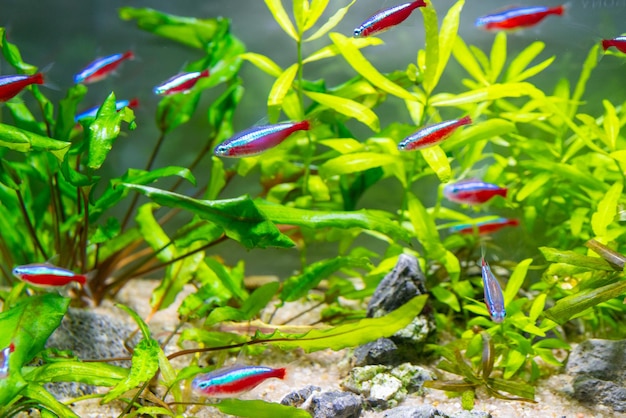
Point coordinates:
[[412, 377], [471, 414], [335, 405], [403, 283], [298, 397], [424, 411], [598, 368]]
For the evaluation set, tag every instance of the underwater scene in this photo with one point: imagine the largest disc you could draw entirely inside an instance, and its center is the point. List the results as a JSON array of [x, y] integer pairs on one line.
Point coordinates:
[[313, 208]]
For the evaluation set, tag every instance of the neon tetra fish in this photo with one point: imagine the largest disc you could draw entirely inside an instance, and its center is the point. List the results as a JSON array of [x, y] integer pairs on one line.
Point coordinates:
[[258, 139], [518, 17], [119, 105], [485, 227], [619, 43], [494, 299], [4, 360], [432, 135], [386, 19], [231, 381], [100, 68], [48, 275], [472, 192], [11, 85], [180, 83]]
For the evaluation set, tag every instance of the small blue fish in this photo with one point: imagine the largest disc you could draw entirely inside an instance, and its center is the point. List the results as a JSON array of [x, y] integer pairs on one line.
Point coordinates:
[[100, 68], [472, 192], [231, 381], [518, 17], [494, 299], [255, 140], [119, 105]]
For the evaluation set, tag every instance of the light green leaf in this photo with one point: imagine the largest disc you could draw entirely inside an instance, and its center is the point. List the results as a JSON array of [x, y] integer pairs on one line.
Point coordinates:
[[332, 50], [361, 161], [498, 56], [536, 69], [362, 66], [330, 24], [259, 409], [575, 259], [344, 145], [446, 297], [516, 280], [316, 9], [280, 15], [466, 59], [521, 61], [154, 235], [279, 90], [533, 185], [348, 108], [438, 162], [492, 92], [611, 124], [607, 209], [37, 393], [514, 360], [590, 63], [447, 38], [20, 140], [425, 228], [537, 307], [217, 181], [431, 49], [140, 322], [477, 132], [67, 111], [263, 63], [249, 309], [300, 13], [97, 374]]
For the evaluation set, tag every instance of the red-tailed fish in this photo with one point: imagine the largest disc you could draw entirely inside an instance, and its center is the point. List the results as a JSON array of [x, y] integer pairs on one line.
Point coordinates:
[[258, 139], [119, 105], [100, 68], [485, 227], [387, 18], [48, 275], [472, 192], [432, 135], [11, 85], [518, 17], [4, 360], [180, 83], [231, 381], [494, 299], [619, 43]]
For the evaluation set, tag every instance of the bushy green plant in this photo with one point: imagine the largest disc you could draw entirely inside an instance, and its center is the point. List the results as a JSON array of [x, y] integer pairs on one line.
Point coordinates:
[[563, 169]]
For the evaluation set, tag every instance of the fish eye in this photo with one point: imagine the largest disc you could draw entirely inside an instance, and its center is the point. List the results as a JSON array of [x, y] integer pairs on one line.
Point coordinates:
[[357, 32], [401, 146], [221, 150]]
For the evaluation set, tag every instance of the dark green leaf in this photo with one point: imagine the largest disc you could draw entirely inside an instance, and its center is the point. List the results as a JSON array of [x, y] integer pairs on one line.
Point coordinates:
[[97, 374], [24, 141], [298, 286], [12, 55], [176, 109], [575, 259], [240, 217], [44, 398], [67, 111]]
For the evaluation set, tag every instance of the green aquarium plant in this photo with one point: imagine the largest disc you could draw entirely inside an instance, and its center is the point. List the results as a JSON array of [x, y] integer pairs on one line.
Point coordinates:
[[563, 169]]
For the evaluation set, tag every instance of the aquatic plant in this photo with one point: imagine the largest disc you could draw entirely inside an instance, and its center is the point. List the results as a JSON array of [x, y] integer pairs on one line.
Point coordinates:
[[563, 168]]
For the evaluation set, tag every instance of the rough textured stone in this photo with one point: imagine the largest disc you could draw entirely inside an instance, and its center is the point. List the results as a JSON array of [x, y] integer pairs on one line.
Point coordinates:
[[598, 368], [471, 414], [404, 282], [335, 405], [424, 411], [298, 397]]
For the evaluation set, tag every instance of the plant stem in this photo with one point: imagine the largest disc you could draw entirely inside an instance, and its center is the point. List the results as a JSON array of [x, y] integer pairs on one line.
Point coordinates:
[[85, 232], [29, 225], [309, 151]]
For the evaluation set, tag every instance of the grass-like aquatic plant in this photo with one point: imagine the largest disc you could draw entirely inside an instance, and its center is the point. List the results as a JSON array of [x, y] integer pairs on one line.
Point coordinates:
[[564, 170]]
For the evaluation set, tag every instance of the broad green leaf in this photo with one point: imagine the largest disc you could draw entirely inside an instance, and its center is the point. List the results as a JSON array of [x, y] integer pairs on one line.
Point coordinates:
[[153, 234], [438, 162], [249, 309], [365, 219], [536, 69], [330, 24], [611, 124], [607, 209], [24, 141], [516, 280], [176, 109], [466, 59], [240, 217], [27, 325], [104, 129], [425, 228], [498, 56], [446, 297], [348, 108], [431, 48], [362, 66], [259, 409], [279, 90], [67, 111], [514, 360], [263, 63], [532, 185], [447, 38], [570, 306], [522, 59], [537, 307], [97, 374], [299, 286], [344, 145], [575, 259], [145, 363], [361, 161], [280, 16], [350, 335], [12, 55], [24, 119], [38, 394], [189, 31]]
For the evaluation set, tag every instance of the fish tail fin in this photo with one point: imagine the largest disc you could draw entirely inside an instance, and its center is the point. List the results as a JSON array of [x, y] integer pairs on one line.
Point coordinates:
[[85, 283], [466, 120], [205, 73], [133, 103]]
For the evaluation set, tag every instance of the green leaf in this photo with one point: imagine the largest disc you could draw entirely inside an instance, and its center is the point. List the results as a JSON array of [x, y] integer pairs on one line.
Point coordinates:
[[446, 40], [570, 306], [364, 219], [348, 108], [332, 50], [104, 129], [611, 124], [259, 409], [522, 59], [537, 307], [176, 109], [240, 217], [279, 90], [189, 31], [431, 48], [446, 297], [249, 309], [498, 56], [590, 63], [280, 16], [299, 286], [153, 234], [362, 66], [97, 374], [466, 59], [140, 322], [536, 69], [12, 55], [575, 259], [361, 161], [350, 335], [217, 181], [263, 63], [317, 10], [438, 162], [533, 185], [41, 396], [483, 94], [516, 280], [67, 111], [145, 363], [517, 388], [607, 209], [27, 325], [300, 13], [20, 140], [425, 228]]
